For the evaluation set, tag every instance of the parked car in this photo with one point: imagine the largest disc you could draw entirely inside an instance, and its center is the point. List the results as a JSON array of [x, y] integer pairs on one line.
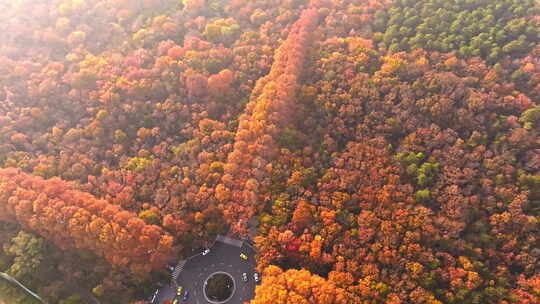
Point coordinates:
[[186, 295], [244, 277], [207, 251], [256, 277], [243, 256], [179, 291]]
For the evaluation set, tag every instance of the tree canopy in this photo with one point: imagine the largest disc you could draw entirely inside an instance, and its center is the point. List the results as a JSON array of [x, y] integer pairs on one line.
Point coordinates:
[[387, 150]]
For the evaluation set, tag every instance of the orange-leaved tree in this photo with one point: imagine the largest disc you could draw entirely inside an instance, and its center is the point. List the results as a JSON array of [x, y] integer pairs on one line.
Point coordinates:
[[270, 111], [70, 218], [298, 287]]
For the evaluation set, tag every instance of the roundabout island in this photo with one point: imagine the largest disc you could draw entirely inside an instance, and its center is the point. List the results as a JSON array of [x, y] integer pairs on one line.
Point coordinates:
[[219, 288]]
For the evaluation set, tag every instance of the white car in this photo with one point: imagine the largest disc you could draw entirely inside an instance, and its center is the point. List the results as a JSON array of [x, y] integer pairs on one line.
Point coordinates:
[[244, 277], [206, 252], [256, 277], [154, 296]]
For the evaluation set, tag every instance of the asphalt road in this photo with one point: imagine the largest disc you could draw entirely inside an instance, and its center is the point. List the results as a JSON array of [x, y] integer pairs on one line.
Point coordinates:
[[222, 257]]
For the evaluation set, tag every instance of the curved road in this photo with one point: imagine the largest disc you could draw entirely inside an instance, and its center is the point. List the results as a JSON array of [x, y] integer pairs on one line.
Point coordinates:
[[222, 257]]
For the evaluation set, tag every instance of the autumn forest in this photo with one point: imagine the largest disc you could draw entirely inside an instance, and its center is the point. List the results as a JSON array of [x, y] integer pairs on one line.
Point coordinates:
[[388, 151]]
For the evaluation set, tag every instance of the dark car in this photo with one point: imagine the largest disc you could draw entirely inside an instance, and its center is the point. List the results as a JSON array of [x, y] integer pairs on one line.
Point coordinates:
[[186, 295]]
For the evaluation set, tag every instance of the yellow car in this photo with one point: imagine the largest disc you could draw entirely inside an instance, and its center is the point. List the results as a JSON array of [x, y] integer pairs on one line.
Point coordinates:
[[179, 291], [243, 256], [175, 301]]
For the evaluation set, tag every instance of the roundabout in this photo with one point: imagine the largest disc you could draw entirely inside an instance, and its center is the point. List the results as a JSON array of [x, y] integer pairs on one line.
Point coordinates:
[[219, 287], [230, 262]]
